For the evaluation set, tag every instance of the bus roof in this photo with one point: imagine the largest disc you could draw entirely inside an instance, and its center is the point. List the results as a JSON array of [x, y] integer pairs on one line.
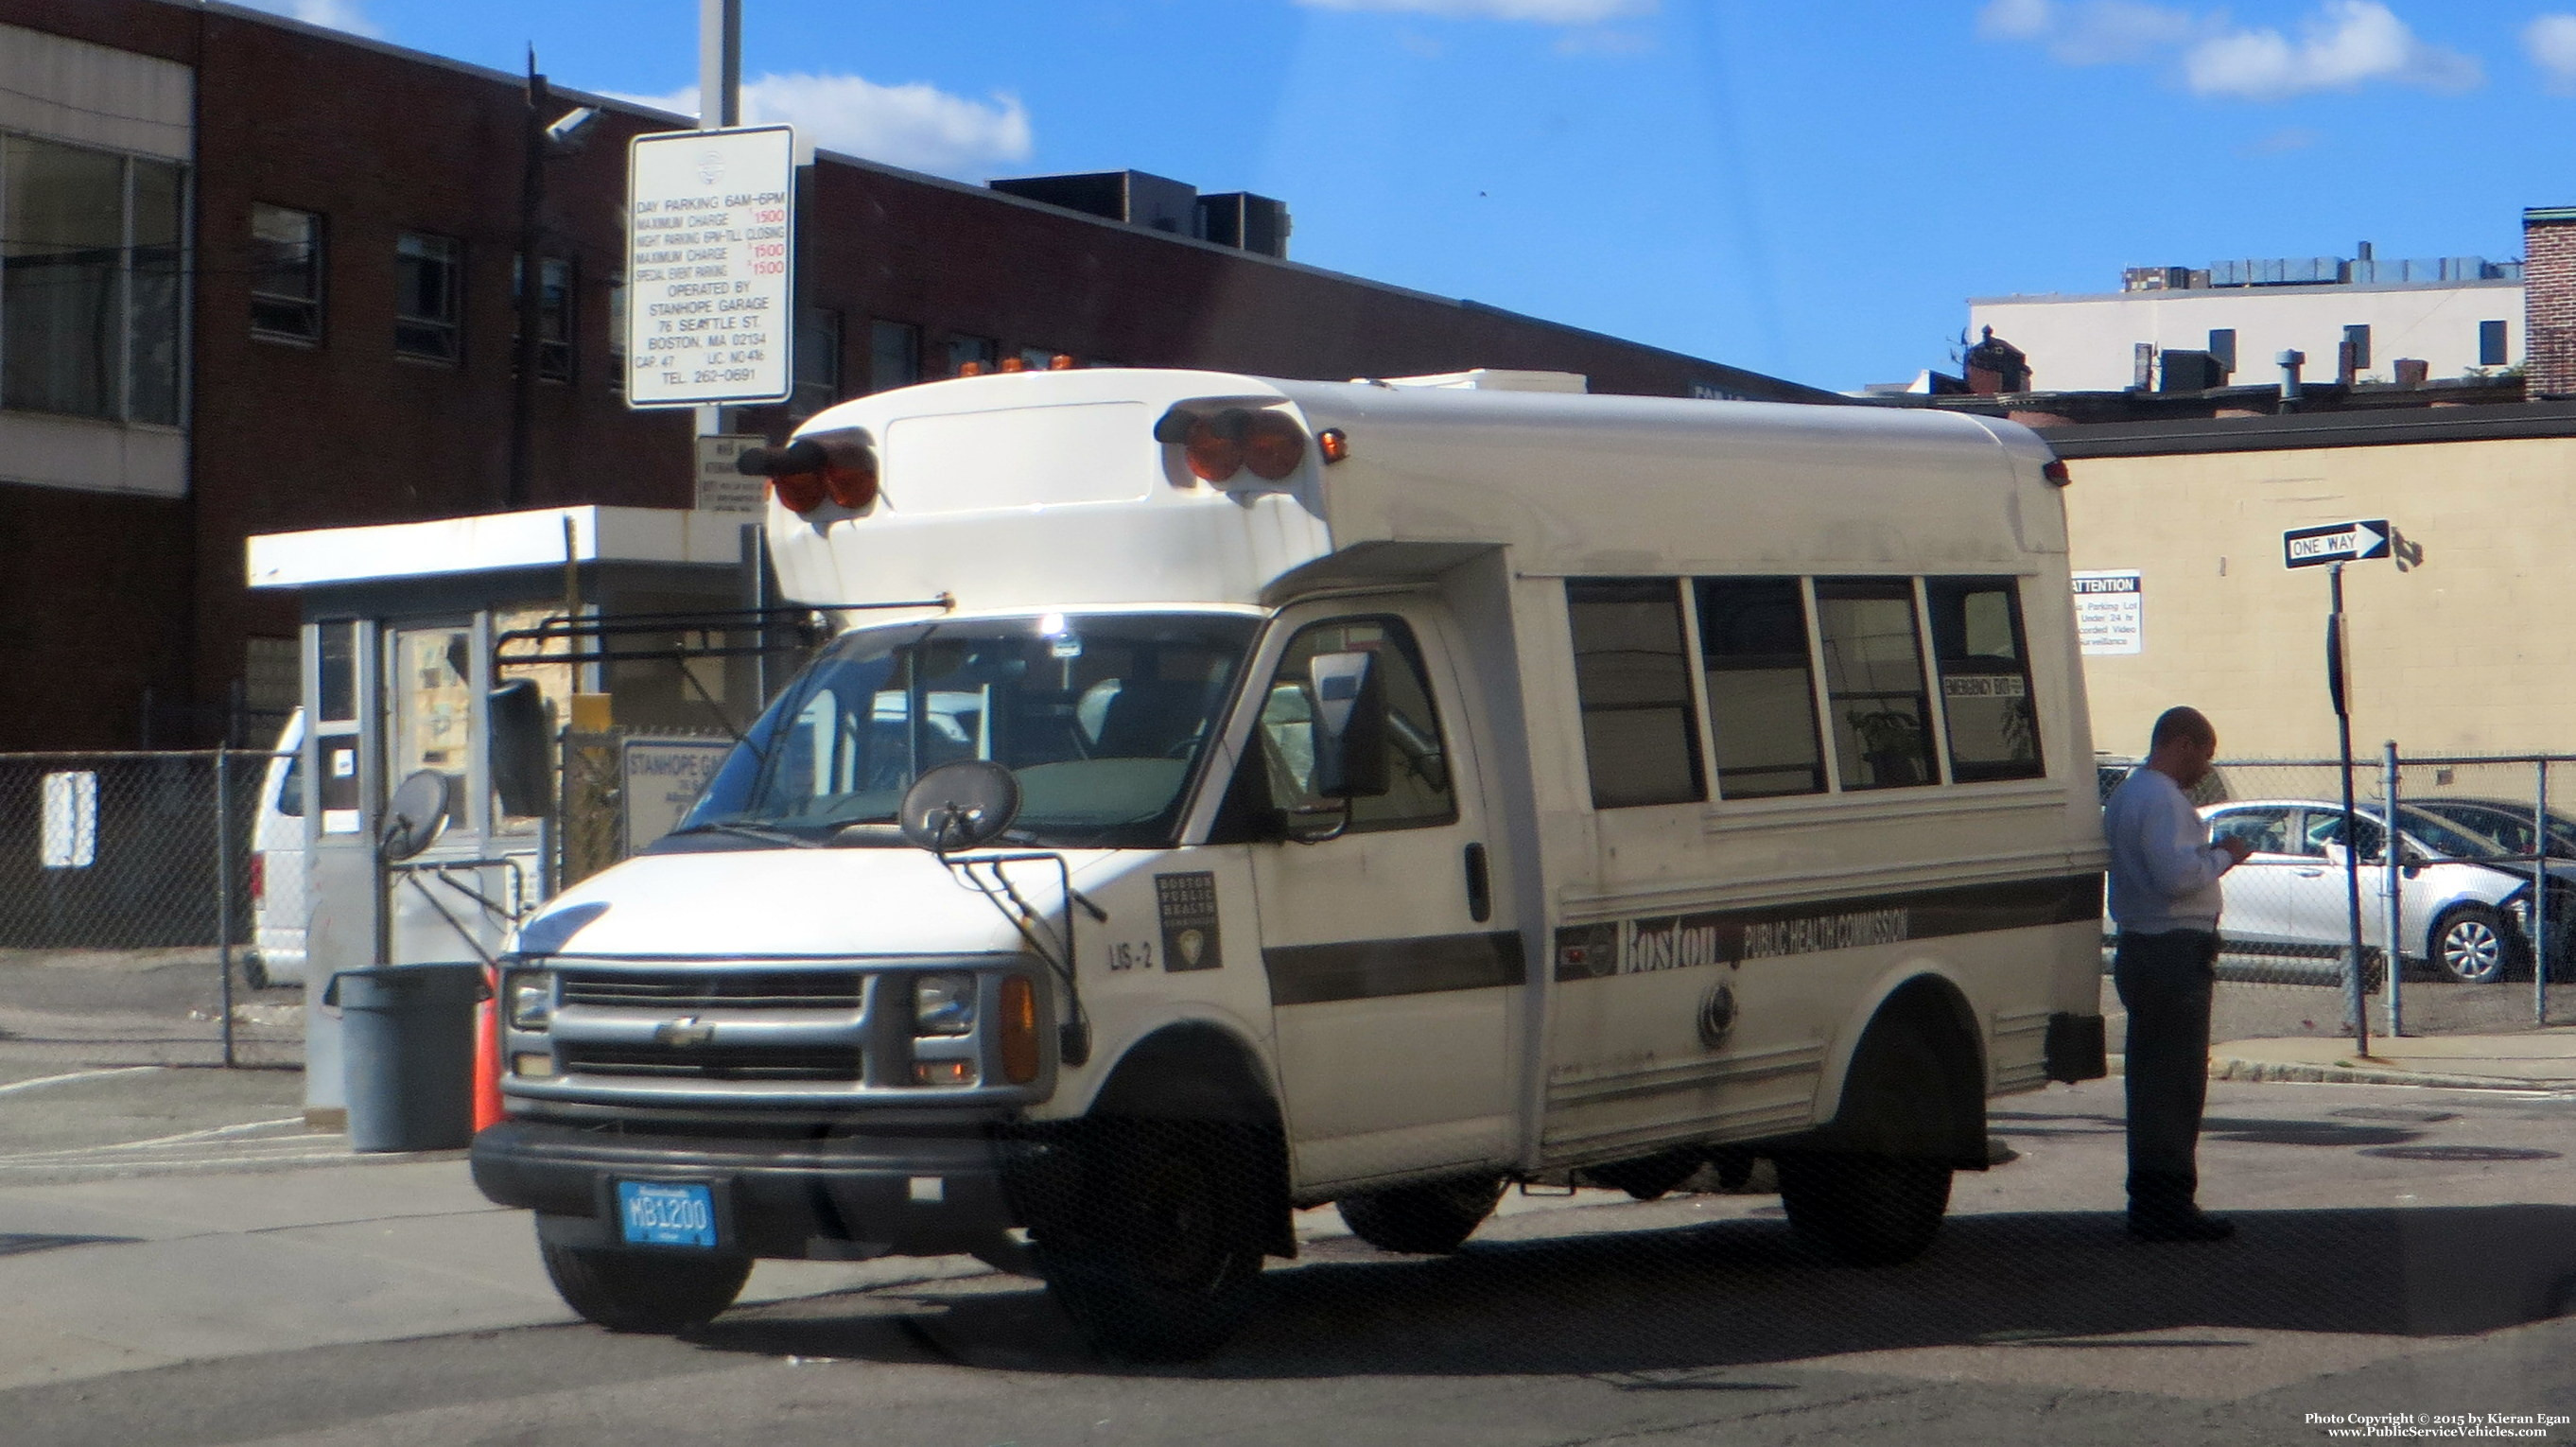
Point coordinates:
[[1048, 489]]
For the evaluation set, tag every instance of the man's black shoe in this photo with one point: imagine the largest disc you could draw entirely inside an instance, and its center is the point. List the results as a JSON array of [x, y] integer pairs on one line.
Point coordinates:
[[2181, 1226]]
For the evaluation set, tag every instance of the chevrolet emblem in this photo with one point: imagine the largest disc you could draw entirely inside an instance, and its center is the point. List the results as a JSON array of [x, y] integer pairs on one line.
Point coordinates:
[[687, 1030]]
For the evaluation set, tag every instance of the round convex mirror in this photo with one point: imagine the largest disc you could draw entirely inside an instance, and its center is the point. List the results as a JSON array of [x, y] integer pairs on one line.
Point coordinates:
[[415, 815], [964, 805]]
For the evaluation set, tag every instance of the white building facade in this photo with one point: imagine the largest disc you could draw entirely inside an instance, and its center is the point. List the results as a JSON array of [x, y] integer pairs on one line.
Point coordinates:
[[2101, 343]]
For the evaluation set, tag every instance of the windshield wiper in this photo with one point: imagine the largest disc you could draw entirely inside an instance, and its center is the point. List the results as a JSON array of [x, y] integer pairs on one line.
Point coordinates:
[[749, 831]]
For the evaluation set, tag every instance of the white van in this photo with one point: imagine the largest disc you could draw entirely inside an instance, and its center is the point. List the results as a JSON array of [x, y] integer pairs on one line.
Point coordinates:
[[279, 897], [1349, 793]]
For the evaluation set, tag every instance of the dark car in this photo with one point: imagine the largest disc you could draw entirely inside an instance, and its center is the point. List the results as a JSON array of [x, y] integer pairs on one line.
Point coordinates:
[[2506, 821]]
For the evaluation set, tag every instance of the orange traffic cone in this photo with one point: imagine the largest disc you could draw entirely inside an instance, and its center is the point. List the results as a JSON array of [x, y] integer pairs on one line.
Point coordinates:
[[487, 1055]]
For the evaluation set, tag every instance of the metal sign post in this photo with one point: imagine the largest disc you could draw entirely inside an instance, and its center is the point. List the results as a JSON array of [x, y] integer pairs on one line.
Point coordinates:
[[2331, 547], [2391, 885]]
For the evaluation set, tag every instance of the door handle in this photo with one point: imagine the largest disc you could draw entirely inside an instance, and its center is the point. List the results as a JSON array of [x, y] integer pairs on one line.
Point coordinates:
[[1480, 886], [2310, 873]]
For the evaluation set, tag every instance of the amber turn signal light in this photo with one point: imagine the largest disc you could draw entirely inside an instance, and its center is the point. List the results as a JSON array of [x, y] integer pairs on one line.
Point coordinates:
[[1019, 1032]]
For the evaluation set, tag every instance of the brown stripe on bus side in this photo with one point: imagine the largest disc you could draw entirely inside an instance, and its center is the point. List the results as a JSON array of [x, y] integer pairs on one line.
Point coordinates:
[[1370, 969], [1676, 941]]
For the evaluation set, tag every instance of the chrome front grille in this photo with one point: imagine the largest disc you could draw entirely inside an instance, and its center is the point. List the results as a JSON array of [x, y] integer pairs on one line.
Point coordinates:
[[696, 991], [705, 1062]]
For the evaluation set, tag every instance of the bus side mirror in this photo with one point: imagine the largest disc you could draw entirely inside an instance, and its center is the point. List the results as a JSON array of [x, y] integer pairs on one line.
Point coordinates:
[[521, 774], [1350, 726]]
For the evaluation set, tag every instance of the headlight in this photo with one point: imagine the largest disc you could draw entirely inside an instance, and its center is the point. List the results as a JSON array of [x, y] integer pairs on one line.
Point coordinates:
[[943, 1004], [531, 998]]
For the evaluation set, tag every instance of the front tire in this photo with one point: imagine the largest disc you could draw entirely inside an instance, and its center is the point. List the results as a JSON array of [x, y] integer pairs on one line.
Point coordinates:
[[1157, 1257], [2472, 945], [653, 1292], [1432, 1219]]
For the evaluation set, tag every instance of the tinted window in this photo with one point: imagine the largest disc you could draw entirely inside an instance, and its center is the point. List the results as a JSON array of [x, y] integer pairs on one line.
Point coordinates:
[[1640, 741], [1874, 682], [1761, 687], [1985, 679], [1420, 791]]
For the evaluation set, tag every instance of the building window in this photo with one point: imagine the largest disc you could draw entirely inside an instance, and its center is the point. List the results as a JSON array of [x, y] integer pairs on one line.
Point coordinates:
[[2491, 344], [554, 315], [426, 273], [285, 274], [1874, 682], [1761, 687], [90, 322], [1632, 684], [978, 352], [1985, 679], [818, 360], [894, 355], [617, 335], [2356, 344], [2222, 345]]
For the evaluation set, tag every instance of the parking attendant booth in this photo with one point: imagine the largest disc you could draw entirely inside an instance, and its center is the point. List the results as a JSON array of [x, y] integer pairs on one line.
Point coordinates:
[[576, 637]]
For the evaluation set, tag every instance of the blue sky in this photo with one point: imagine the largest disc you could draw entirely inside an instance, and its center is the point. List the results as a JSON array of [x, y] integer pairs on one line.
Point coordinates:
[[1811, 189]]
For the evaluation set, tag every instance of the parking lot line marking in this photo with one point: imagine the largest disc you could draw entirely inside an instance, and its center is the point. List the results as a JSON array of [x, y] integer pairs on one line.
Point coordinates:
[[45, 1080]]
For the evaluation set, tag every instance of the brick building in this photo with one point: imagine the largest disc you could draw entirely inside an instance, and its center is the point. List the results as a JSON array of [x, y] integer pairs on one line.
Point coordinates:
[[260, 276]]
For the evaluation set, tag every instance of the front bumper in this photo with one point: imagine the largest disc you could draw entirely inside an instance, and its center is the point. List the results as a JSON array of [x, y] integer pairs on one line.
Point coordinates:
[[841, 1197]]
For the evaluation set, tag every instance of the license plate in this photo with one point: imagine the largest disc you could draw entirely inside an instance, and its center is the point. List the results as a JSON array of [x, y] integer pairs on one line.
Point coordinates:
[[667, 1213]]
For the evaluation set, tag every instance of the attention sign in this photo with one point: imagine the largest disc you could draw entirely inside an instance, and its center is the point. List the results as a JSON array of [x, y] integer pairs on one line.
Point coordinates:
[[710, 262], [2110, 616]]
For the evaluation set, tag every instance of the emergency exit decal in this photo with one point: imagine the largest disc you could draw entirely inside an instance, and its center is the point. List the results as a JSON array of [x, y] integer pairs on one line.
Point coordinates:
[[1188, 906]]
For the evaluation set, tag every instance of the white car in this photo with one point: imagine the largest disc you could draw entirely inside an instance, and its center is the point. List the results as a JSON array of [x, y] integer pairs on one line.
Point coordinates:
[[279, 901], [2467, 920]]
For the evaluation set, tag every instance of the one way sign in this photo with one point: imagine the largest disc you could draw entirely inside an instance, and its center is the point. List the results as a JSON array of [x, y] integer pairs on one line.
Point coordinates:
[[2336, 543]]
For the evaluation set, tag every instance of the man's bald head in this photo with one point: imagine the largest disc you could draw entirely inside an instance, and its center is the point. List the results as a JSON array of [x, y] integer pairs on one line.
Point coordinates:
[[2182, 725], [2182, 745]]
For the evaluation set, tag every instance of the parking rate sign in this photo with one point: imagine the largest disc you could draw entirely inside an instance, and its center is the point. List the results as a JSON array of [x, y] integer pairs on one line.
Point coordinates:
[[710, 276]]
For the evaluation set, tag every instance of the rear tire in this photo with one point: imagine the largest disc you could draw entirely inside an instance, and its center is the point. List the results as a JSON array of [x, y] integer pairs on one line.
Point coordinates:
[[2473, 945], [1865, 1210], [655, 1292], [1157, 1254], [1882, 1203], [254, 973], [1432, 1219]]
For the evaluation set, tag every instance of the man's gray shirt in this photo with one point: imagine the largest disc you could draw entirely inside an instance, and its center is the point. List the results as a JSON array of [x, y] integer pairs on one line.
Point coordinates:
[[2164, 870]]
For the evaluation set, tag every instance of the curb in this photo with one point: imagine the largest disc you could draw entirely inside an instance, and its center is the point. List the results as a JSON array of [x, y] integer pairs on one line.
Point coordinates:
[[2276, 1072]]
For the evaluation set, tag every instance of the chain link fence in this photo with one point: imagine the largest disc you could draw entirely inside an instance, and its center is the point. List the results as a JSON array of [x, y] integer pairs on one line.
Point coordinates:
[[2473, 889], [130, 888]]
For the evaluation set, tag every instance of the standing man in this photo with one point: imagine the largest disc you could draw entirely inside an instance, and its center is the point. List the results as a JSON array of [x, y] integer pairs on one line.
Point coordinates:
[[2165, 899]]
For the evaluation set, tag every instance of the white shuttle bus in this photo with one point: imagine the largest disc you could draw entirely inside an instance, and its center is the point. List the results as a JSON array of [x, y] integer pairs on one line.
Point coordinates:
[[1233, 795]]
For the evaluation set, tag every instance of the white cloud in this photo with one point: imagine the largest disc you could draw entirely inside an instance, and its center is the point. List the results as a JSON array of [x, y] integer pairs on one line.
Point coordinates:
[[2550, 41], [916, 126], [348, 15], [1541, 12], [2095, 32], [2346, 44], [2350, 43]]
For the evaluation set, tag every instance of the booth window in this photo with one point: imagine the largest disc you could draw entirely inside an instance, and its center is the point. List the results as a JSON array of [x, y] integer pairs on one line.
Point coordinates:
[[426, 296], [1761, 687], [1985, 679], [89, 282], [1874, 682], [617, 335], [285, 274], [1632, 682]]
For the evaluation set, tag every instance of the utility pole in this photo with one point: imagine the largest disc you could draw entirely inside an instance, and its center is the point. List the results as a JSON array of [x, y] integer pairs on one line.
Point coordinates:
[[719, 107], [532, 285]]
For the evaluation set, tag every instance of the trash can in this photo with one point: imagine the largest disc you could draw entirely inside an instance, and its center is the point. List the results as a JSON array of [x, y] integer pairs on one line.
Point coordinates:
[[407, 1052]]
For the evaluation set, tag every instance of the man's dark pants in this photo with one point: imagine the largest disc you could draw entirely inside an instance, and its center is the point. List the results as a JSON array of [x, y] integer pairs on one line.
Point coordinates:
[[2164, 981]]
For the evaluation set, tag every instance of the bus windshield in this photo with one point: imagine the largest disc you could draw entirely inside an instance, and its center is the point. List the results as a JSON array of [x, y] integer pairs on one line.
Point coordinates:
[[1101, 717]]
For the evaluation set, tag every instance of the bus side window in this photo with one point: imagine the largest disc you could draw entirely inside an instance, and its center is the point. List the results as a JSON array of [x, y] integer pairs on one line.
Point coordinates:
[[1640, 729], [1874, 681], [1985, 679], [1761, 687]]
